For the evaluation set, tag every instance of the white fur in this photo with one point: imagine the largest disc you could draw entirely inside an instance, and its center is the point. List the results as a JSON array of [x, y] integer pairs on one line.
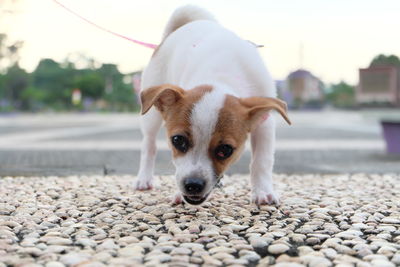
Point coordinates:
[[197, 51], [203, 52]]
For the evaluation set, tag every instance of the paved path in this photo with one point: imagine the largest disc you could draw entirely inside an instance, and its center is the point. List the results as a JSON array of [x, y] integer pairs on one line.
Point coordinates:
[[318, 142], [89, 221]]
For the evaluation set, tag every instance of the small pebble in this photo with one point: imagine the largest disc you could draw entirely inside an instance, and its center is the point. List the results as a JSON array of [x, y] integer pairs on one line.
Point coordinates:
[[278, 248]]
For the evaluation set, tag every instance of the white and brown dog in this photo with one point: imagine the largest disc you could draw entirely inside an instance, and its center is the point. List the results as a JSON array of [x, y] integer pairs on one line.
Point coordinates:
[[211, 88]]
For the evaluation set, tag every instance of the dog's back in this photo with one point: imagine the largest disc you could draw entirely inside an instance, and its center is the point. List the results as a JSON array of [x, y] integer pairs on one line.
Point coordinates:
[[197, 50]]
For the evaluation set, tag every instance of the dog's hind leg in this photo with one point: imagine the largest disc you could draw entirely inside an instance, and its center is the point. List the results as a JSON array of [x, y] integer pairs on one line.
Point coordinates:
[[263, 148], [149, 125]]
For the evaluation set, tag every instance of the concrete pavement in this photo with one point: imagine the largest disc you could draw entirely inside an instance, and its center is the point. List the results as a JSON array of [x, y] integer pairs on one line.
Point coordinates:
[[63, 144]]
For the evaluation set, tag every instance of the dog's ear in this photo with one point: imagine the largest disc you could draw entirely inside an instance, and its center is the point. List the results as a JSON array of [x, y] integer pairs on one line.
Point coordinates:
[[161, 97], [257, 108]]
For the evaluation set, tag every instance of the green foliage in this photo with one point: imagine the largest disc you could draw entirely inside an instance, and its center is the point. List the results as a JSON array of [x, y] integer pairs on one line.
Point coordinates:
[[102, 88], [33, 99], [2, 86], [15, 81], [342, 95], [50, 85], [55, 82], [121, 97], [91, 84], [383, 60]]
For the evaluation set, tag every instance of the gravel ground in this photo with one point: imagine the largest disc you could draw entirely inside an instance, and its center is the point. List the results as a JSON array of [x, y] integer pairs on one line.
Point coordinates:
[[92, 221]]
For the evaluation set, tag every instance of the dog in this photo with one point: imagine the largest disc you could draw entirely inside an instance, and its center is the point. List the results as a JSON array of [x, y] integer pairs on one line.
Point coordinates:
[[212, 89]]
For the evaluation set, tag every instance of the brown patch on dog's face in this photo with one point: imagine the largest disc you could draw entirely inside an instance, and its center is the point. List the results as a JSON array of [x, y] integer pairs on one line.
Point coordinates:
[[231, 129], [237, 118], [175, 105], [177, 119]]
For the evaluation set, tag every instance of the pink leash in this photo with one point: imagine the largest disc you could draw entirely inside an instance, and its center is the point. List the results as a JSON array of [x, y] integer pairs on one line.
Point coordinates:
[[148, 45]]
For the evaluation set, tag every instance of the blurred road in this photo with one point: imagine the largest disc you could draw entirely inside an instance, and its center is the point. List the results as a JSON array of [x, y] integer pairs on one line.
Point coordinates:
[[64, 144]]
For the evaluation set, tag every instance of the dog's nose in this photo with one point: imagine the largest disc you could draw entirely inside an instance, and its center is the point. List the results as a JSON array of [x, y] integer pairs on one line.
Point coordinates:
[[194, 185]]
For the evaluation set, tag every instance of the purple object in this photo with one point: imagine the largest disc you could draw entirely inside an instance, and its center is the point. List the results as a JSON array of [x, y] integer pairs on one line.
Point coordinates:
[[391, 133]]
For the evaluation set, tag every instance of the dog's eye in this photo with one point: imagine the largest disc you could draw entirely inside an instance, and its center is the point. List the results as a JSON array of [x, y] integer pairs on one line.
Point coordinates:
[[180, 142], [223, 151]]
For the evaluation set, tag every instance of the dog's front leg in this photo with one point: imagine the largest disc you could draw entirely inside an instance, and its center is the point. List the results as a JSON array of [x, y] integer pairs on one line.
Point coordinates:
[[263, 148], [150, 125]]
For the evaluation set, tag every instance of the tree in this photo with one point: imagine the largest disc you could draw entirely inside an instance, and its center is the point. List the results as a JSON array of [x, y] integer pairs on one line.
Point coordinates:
[[2, 89], [13, 79], [56, 82], [91, 84], [383, 60], [342, 95], [15, 82], [118, 94], [51, 84]]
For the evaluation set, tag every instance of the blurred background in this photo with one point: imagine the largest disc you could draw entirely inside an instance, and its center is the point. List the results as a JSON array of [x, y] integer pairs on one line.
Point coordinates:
[[68, 91]]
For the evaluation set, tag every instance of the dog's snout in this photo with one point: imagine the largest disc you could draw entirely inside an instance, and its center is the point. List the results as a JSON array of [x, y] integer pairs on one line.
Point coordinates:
[[194, 185]]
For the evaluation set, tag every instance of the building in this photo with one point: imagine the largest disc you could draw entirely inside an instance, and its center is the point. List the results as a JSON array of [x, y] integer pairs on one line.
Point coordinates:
[[379, 85], [305, 89]]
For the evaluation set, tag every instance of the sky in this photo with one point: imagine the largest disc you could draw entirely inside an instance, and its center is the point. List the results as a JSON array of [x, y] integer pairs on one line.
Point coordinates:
[[336, 37]]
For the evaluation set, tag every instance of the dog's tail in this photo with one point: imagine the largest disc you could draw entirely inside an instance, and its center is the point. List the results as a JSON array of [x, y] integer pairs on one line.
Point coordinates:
[[184, 15]]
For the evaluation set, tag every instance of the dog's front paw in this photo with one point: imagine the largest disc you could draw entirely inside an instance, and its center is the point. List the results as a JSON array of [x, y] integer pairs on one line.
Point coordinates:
[[143, 184], [261, 197]]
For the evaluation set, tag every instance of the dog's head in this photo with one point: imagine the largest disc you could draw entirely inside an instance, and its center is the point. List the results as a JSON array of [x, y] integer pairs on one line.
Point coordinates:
[[207, 130]]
